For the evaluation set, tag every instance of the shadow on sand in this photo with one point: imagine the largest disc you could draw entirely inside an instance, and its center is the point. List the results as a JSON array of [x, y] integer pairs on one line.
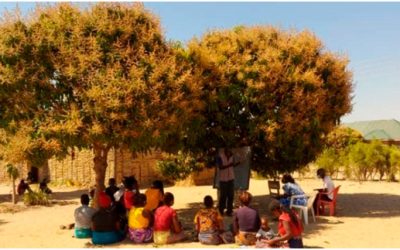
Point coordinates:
[[68, 195], [368, 205], [5, 198]]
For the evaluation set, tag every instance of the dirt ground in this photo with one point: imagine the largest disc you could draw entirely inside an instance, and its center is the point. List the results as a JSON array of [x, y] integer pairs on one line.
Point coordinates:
[[368, 216]]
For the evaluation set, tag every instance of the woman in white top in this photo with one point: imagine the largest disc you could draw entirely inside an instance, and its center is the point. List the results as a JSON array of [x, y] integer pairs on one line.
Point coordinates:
[[327, 188]]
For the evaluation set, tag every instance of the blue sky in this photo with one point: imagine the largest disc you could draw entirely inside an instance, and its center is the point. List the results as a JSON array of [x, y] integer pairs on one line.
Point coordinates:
[[369, 33]]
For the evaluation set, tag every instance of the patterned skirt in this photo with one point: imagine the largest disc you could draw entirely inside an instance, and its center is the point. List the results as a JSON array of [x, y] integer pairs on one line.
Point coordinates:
[[143, 235], [210, 238], [166, 237], [246, 238]]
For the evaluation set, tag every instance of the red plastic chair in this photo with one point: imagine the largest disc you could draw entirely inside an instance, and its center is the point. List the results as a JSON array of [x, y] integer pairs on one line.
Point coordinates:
[[331, 204]]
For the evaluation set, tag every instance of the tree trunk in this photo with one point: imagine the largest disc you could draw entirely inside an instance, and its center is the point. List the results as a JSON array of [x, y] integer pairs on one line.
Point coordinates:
[[14, 194], [381, 174], [100, 167]]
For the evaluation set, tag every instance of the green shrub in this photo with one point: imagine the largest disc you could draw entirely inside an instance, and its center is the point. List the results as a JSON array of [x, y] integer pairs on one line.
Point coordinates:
[[36, 198], [394, 162], [178, 167], [329, 159]]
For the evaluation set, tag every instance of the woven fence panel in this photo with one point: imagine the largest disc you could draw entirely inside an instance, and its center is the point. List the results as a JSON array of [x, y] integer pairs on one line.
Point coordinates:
[[79, 168]]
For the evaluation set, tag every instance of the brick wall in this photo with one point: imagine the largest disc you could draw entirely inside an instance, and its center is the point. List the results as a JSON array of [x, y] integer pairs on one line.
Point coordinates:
[[142, 166], [121, 162], [79, 168]]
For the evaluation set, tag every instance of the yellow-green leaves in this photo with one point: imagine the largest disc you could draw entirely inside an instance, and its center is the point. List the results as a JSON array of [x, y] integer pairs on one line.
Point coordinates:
[[105, 76], [275, 90]]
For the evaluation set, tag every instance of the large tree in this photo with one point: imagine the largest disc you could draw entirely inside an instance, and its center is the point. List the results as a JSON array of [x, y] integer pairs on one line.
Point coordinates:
[[278, 91], [97, 78]]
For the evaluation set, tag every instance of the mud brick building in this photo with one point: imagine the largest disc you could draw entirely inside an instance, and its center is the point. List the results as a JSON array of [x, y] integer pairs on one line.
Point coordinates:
[[78, 167]]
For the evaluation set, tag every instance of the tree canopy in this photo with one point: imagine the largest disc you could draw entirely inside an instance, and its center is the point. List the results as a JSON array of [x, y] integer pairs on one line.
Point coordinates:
[[105, 77], [97, 78], [281, 92]]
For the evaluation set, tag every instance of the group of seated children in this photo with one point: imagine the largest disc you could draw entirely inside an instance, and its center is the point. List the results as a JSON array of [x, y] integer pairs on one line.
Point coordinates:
[[150, 217]]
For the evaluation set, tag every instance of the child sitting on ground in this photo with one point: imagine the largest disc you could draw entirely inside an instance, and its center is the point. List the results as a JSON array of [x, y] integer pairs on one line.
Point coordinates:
[[265, 233], [83, 218]]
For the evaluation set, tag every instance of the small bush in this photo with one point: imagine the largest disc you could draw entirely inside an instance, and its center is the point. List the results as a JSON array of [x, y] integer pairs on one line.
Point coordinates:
[[36, 198], [178, 167]]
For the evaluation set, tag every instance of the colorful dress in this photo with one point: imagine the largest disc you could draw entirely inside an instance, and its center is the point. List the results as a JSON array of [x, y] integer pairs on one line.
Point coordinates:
[[208, 221], [139, 230]]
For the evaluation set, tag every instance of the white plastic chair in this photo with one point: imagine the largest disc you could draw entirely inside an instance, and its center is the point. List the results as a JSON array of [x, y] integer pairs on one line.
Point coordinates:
[[304, 209]]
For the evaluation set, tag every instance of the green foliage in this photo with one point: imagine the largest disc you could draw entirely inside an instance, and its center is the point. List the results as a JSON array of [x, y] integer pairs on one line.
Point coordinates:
[[13, 174], [12, 171], [368, 159], [360, 160], [335, 154], [378, 157], [330, 160], [104, 77], [357, 161], [394, 161], [342, 137], [36, 198], [278, 91], [94, 78], [179, 166]]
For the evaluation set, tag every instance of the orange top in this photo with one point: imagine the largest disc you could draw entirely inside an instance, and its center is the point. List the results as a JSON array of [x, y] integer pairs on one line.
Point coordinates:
[[153, 197], [296, 229]]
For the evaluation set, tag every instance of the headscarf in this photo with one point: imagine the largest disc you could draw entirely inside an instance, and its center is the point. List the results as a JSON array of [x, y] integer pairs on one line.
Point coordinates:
[[104, 200]]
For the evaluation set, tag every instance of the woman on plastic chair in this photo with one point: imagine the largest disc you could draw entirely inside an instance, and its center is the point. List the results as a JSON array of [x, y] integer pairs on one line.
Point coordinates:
[[290, 188], [328, 188]]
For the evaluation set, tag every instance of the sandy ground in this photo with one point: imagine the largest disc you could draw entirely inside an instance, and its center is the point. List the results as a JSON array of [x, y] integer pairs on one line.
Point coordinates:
[[368, 216]]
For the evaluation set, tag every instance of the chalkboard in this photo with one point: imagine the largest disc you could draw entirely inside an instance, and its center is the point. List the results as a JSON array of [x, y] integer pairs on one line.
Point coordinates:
[[242, 171]]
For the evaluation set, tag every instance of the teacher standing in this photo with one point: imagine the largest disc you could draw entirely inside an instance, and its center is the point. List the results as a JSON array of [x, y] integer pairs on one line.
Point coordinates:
[[225, 163]]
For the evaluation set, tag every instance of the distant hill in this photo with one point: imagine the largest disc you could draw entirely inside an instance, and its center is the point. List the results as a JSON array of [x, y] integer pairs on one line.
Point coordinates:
[[384, 130]]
